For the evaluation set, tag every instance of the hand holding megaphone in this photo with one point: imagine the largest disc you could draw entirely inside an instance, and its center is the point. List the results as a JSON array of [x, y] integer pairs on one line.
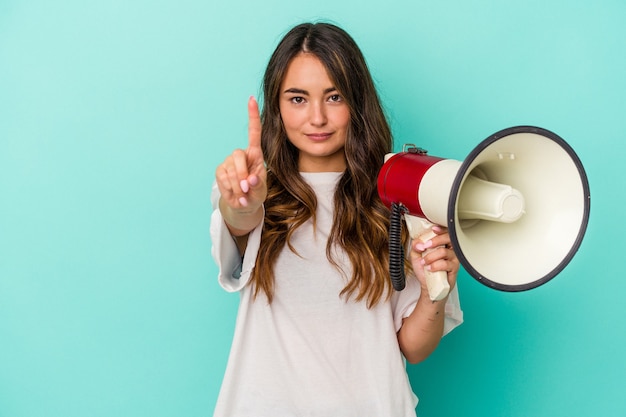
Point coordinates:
[[436, 281], [521, 194]]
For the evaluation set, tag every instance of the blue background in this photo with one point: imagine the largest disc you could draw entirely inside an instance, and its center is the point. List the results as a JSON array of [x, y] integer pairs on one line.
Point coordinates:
[[114, 115]]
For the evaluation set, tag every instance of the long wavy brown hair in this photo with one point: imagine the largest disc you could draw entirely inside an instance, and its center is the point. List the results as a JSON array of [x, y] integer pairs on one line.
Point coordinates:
[[361, 220]]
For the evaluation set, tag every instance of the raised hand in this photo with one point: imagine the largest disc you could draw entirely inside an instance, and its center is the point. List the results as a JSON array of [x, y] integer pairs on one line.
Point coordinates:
[[241, 178]]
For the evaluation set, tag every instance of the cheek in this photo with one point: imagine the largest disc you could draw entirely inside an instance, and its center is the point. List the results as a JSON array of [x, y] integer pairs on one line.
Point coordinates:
[[342, 118], [290, 118]]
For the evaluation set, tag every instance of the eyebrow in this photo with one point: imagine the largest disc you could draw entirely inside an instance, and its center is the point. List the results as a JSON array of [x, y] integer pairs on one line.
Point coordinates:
[[304, 92]]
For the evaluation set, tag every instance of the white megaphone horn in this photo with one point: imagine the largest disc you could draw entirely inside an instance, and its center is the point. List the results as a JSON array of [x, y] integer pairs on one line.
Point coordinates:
[[516, 208]]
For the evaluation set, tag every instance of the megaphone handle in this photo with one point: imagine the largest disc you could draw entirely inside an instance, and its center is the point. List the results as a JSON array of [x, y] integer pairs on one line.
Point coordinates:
[[437, 281]]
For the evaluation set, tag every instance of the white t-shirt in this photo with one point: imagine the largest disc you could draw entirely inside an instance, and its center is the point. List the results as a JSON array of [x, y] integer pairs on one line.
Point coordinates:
[[311, 352]]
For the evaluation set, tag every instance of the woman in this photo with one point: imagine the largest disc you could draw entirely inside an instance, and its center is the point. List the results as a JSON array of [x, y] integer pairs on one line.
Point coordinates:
[[300, 232]]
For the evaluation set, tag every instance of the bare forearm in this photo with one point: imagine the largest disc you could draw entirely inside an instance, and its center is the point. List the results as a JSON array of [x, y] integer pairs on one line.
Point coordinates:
[[422, 330], [240, 222]]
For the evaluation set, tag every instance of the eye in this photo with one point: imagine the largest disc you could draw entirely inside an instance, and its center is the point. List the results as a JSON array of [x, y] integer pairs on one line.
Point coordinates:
[[297, 100], [335, 98]]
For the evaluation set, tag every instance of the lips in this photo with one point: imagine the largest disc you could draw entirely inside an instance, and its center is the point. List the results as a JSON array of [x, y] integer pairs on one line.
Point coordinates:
[[317, 137]]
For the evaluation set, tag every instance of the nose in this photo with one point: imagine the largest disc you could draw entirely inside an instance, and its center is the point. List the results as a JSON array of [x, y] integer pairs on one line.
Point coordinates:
[[318, 114]]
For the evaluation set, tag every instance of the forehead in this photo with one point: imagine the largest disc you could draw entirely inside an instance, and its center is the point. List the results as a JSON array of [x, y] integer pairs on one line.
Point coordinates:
[[306, 70]]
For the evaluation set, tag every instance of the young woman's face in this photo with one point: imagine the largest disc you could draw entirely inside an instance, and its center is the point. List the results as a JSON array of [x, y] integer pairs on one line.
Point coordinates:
[[315, 115]]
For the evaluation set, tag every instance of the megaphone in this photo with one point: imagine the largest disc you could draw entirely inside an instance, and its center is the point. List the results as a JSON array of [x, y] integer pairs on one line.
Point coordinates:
[[516, 208]]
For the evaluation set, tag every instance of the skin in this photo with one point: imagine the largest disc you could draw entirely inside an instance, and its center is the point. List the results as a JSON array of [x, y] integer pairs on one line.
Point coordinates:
[[315, 116], [422, 331], [241, 179], [316, 119]]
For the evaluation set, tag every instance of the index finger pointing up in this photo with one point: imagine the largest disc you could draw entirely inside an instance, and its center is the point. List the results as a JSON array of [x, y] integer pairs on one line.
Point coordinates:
[[254, 124]]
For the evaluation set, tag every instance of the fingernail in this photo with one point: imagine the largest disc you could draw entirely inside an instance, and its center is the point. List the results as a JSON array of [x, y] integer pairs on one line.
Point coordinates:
[[253, 180], [243, 201], [437, 228], [419, 246], [244, 186], [428, 244]]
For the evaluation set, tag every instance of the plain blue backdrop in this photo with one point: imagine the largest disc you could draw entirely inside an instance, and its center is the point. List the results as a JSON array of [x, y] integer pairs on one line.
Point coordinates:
[[114, 115]]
